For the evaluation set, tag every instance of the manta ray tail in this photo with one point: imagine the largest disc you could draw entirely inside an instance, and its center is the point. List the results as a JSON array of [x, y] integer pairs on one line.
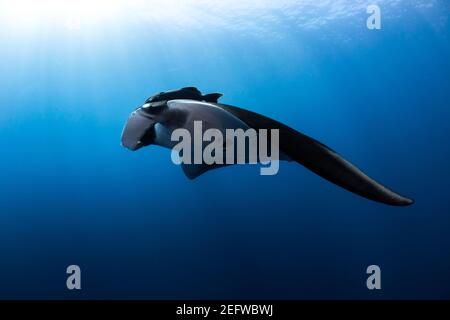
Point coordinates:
[[321, 160]]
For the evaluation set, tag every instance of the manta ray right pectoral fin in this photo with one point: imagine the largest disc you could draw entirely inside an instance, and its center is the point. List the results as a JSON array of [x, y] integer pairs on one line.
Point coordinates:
[[321, 160], [330, 165]]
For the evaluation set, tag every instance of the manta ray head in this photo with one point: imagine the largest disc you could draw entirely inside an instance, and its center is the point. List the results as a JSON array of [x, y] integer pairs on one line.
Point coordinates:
[[139, 130]]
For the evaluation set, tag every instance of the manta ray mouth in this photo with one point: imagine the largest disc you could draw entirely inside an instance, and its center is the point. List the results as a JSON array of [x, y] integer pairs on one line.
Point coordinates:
[[138, 131]]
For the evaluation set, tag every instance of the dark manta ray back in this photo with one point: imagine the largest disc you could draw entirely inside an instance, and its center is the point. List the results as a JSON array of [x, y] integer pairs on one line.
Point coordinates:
[[162, 113], [190, 93]]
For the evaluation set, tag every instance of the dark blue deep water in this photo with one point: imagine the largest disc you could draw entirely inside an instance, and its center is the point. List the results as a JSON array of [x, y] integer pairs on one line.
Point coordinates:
[[138, 228]]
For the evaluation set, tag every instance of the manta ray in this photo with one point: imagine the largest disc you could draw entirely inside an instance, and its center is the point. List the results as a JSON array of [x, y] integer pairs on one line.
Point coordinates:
[[154, 122]]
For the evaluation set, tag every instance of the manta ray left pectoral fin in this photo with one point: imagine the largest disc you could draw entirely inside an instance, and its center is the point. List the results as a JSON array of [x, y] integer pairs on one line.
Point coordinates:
[[193, 171]]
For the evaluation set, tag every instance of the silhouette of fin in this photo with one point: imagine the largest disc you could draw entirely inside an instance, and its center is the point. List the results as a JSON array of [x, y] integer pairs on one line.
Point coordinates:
[[212, 97], [321, 160]]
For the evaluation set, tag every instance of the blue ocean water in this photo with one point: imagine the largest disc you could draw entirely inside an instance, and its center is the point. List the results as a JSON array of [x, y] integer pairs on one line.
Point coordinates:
[[138, 228]]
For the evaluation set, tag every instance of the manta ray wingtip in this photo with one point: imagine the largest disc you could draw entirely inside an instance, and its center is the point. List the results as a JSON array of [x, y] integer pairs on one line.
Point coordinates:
[[403, 202]]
